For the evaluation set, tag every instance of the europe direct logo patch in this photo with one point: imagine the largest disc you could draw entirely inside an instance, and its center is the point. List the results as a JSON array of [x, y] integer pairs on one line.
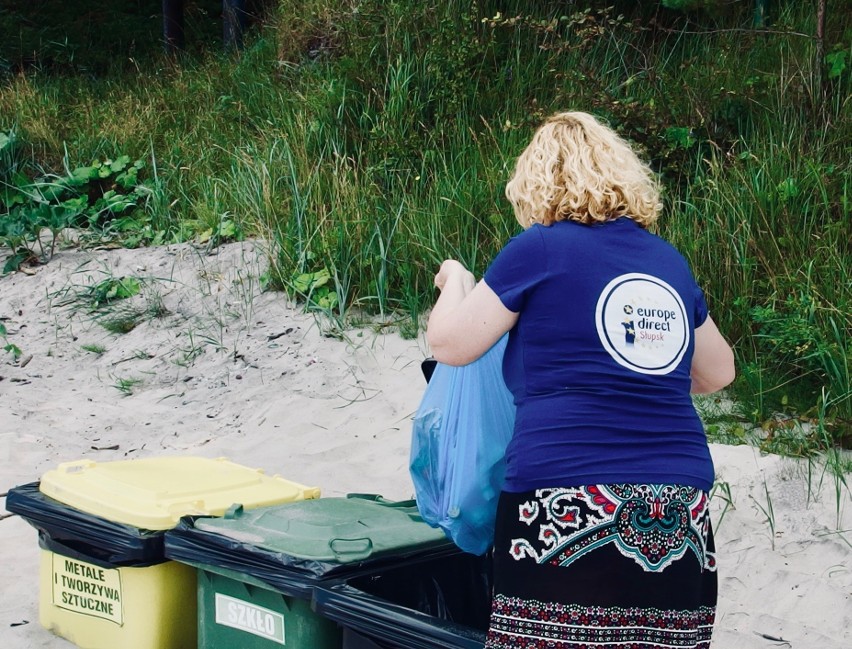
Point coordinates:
[[642, 323]]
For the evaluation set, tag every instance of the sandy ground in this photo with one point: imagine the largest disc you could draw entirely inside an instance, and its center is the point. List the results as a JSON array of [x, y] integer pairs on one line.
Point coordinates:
[[227, 370]]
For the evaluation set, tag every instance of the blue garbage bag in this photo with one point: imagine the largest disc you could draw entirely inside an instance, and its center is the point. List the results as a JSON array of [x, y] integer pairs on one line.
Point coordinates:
[[459, 438]]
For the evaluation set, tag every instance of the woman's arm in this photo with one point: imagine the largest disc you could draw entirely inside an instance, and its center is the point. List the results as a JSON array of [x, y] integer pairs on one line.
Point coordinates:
[[467, 319], [713, 361]]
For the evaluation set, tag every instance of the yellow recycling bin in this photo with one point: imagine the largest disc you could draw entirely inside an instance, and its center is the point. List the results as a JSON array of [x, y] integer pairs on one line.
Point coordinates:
[[104, 580]]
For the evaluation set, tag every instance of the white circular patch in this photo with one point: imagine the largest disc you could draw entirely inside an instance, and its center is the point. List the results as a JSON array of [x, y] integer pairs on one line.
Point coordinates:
[[642, 323]]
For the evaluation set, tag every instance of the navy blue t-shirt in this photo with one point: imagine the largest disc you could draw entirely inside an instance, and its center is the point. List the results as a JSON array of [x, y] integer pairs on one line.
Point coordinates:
[[599, 359]]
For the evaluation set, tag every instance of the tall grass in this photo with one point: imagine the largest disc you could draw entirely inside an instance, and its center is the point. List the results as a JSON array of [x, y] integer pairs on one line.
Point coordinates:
[[373, 139]]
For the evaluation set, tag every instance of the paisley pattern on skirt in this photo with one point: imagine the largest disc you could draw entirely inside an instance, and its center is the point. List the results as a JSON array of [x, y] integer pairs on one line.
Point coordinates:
[[652, 524], [626, 566]]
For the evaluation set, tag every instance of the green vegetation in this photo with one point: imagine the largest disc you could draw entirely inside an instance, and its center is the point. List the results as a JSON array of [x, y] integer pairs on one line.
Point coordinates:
[[110, 303], [111, 290], [126, 385], [8, 347], [98, 197], [368, 141]]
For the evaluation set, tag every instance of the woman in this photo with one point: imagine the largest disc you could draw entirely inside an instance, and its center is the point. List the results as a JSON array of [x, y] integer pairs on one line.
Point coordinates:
[[603, 532]]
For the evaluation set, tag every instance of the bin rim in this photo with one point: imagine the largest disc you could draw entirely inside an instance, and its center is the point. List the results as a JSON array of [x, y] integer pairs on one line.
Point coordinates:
[[284, 573], [357, 527], [388, 622], [154, 492], [71, 532]]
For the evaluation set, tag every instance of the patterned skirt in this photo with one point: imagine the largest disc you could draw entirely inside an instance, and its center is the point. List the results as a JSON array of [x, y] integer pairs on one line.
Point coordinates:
[[628, 566]]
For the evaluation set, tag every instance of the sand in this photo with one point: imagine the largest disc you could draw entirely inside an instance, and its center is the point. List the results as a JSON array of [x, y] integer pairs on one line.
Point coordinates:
[[218, 368]]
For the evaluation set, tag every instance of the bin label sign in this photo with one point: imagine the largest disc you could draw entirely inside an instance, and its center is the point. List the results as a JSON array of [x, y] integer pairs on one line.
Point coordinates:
[[88, 589], [241, 615]]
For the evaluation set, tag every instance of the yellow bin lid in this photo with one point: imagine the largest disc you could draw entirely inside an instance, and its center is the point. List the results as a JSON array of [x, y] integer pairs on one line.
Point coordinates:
[[153, 493]]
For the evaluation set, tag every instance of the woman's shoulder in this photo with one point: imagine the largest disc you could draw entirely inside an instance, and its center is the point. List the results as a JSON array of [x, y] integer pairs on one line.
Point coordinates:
[[527, 238]]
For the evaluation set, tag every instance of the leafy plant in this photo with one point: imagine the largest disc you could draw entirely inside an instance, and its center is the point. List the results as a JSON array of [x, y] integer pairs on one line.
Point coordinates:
[[124, 318], [9, 165], [837, 63], [90, 197], [316, 290], [9, 347], [226, 230], [110, 302], [680, 136], [111, 290]]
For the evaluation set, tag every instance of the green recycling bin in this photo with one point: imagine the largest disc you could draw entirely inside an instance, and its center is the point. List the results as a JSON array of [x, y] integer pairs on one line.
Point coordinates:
[[258, 569], [235, 610]]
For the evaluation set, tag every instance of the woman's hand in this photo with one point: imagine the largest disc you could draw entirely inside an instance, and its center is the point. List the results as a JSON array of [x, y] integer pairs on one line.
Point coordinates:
[[467, 319], [452, 271]]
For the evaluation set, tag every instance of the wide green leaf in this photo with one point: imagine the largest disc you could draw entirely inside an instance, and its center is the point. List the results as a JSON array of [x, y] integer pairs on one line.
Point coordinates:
[[15, 261], [307, 282], [119, 164], [85, 174]]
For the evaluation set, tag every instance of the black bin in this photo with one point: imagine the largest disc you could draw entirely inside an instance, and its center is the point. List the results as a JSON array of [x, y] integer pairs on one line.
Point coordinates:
[[440, 603]]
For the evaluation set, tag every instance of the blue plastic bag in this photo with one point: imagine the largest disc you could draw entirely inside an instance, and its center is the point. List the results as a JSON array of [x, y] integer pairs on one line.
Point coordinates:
[[458, 447]]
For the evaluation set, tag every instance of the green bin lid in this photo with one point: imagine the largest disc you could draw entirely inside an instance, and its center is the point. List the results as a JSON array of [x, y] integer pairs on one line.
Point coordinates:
[[339, 530]]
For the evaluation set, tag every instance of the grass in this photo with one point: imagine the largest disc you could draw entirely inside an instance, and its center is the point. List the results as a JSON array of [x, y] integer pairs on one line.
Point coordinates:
[[118, 304], [768, 512], [722, 491], [126, 385], [187, 353], [364, 146]]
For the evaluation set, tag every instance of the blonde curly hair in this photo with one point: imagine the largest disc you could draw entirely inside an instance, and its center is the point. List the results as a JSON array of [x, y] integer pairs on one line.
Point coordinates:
[[575, 168]]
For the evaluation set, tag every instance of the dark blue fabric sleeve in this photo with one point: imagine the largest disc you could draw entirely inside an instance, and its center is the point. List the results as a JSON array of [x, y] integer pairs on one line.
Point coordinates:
[[700, 307], [518, 268]]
